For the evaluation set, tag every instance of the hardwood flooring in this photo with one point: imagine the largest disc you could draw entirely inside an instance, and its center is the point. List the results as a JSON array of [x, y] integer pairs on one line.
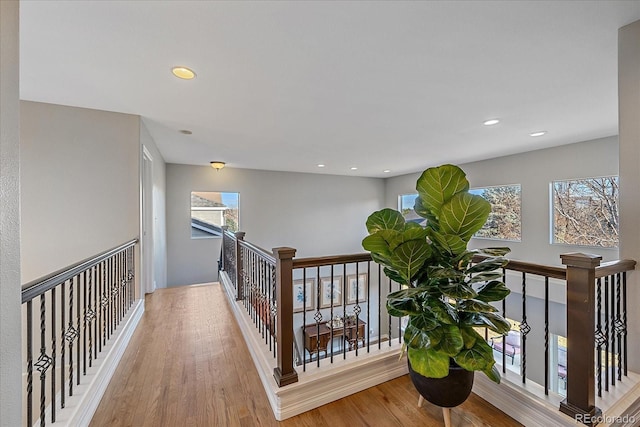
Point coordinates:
[[188, 365]]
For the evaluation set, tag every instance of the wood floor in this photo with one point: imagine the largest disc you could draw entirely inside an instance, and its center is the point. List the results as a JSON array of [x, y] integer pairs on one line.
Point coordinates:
[[188, 365]]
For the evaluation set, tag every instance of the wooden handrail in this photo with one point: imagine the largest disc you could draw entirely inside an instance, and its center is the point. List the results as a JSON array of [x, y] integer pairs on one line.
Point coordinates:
[[330, 260], [262, 253], [40, 286], [615, 267], [529, 267]]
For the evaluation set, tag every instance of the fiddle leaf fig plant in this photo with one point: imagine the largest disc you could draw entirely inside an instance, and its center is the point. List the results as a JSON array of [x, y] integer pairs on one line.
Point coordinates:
[[443, 293]]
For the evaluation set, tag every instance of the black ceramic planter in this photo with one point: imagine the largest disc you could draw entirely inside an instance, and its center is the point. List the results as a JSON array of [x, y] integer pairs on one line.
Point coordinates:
[[446, 392]]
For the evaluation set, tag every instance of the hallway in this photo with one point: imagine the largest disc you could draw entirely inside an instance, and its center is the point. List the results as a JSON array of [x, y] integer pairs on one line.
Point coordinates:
[[188, 365]]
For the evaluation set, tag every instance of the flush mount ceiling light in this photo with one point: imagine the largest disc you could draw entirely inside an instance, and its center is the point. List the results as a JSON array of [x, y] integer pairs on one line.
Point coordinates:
[[491, 122], [538, 133], [217, 165], [183, 73], [185, 131]]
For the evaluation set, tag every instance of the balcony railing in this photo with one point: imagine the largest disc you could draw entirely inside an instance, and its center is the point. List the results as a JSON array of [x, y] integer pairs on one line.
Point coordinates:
[[303, 305], [70, 317]]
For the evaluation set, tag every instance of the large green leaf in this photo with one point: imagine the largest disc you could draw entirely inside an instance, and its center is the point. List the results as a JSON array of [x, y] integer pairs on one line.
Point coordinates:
[[463, 215], [404, 302], [377, 244], [416, 338], [428, 362], [393, 275], [486, 276], [493, 291], [450, 243], [424, 321], [443, 311], [437, 185], [469, 336], [409, 257], [493, 374], [451, 342], [500, 251], [476, 306], [477, 358], [414, 233], [458, 290], [385, 219], [489, 264], [493, 321]]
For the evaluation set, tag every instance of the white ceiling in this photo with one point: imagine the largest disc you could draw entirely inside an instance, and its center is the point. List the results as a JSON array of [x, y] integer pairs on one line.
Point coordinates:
[[378, 85]]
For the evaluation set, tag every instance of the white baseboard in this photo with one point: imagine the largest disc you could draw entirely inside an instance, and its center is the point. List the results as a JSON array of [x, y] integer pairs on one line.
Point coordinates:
[[80, 407]]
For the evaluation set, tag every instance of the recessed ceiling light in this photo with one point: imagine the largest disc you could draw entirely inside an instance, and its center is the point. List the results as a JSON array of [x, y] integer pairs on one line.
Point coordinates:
[[353, 168], [321, 165], [539, 133], [183, 73], [185, 131], [386, 171], [491, 122]]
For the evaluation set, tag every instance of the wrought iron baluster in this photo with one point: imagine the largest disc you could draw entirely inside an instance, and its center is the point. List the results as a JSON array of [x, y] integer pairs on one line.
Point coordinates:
[[53, 354], [29, 363], [599, 337], [504, 314], [620, 327], [70, 336], [546, 336], [62, 344], [613, 330], [78, 330], [84, 325], [369, 306], [606, 333], [624, 319], [44, 361], [318, 317], [524, 329], [380, 307]]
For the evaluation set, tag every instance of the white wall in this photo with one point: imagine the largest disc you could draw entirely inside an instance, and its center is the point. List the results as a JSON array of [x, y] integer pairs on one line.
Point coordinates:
[[534, 171], [159, 208], [629, 107], [79, 184], [303, 211], [10, 323]]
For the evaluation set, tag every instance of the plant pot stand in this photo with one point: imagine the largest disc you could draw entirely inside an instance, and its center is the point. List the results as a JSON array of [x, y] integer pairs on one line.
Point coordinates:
[[446, 412]]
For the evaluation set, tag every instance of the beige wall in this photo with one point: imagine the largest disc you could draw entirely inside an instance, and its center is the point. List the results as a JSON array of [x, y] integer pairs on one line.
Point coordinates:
[[303, 211], [10, 354], [80, 184], [629, 107]]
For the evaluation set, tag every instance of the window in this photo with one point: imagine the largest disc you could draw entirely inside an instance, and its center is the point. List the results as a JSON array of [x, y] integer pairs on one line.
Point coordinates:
[[585, 212], [405, 205], [504, 221], [210, 210]]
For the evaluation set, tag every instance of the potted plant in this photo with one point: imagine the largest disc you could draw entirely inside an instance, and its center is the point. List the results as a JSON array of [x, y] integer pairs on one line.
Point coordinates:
[[444, 294]]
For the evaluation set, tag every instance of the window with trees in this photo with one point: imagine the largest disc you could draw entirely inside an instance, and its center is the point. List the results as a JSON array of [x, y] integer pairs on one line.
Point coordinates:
[[585, 212], [405, 205], [211, 210], [505, 221]]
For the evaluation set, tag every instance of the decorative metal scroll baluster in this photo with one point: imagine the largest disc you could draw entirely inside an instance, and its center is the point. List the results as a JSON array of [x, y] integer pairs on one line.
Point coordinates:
[[624, 320], [389, 318], [380, 308], [524, 329], [613, 330], [44, 361], [90, 315], [620, 327], [273, 303], [318, 316], [62, 345], [70, 336], [78, 330], [606, 333], [599, 337], [546, 336], [29, 364], [504, 314], [53, 353], [331, 311]]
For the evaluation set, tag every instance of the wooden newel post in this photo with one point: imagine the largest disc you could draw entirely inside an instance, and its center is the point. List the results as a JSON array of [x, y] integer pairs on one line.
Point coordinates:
[[581, 277], [284, 372], [239, 267]]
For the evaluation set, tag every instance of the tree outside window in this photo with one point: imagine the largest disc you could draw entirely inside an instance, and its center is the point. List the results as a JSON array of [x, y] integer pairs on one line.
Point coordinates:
[[585, 212], [504, 221], [211, 210]]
